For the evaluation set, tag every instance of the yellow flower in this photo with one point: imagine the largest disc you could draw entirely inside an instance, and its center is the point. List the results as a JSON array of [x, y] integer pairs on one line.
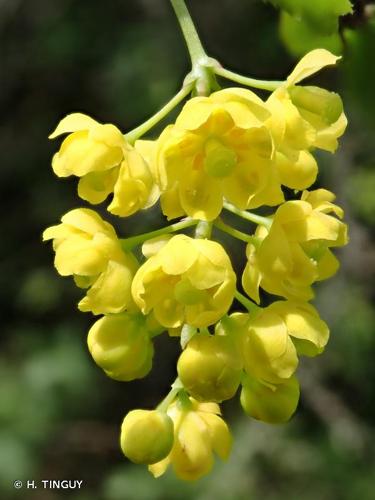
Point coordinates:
[[271, 403], [198, 432], [287, 259], [271, 339], [105, 163], [87, 248], [210, 367], [219, 147], [120, 344], [304, 117], [146, 436], [186, 281]]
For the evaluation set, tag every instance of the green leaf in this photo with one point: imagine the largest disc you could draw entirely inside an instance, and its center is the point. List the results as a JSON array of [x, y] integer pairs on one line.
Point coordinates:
[[320, 15], [359, 73], [299, 38]]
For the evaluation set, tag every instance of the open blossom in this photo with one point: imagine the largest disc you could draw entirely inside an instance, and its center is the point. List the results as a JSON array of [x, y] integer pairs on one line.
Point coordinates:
[[199, 432], [186, 281], [218, 148], [302, 118], [271, 338], [295, 252], [106, 163], [87, 248]]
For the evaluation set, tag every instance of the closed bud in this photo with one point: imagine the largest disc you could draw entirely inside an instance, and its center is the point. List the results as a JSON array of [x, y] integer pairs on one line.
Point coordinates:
[[199, 434], [121, 346], [146, 436], [210, 368], [271, 403]]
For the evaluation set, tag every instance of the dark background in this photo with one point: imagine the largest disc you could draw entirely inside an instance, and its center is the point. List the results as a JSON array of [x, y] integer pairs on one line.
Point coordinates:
[[119, 61]]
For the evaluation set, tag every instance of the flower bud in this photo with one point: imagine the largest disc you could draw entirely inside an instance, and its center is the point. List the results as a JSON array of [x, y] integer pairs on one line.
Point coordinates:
[[210, 368], [274, 404], [146, 436], [199, 433], [121, 346]]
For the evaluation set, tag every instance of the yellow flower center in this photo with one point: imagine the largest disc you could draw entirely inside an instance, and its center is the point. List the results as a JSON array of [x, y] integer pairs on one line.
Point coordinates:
[[186, 294], [219, 161]]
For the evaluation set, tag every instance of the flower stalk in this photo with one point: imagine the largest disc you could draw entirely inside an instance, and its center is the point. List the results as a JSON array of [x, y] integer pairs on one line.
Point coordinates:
[[139, 131], [133, 241]]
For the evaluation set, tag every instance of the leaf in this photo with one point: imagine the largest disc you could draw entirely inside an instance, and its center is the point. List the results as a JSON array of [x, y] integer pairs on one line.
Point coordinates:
[[319, 15], [299, 38], [358, 73]]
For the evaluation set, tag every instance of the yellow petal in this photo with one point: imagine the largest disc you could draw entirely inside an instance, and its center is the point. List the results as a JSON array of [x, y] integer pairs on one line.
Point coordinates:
[[298, 174], [76, 255], [311, 63], [131, 190], [274, 255], [110, 293], [154, 245], [201, 195], [80, 155], [214, 252], [94, 187], [159, 468], [327, 138], [303, 323], [178, 255], [169, 313], [170, 203], [244, 106], [73, 123], [87, 220], [269, 403], [327, 266], [192, 455], [251, 280], [221, 439], [269, 352], [109, 135], [194, 113]]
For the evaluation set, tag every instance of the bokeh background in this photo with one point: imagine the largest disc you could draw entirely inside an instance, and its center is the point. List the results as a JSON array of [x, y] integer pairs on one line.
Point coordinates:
[[119, 61]]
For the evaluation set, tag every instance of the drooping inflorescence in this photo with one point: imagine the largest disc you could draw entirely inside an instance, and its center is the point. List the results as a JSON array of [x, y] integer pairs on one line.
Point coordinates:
[[227, 150]]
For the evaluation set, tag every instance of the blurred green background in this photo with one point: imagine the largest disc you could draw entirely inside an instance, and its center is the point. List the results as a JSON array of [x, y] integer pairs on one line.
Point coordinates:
[[119, 61]]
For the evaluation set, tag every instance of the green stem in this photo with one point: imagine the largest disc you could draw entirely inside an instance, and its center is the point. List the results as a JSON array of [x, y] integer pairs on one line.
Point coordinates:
[[244, 80], [203, 230], [248, 304], [137, 132], [233, 232], [189, 31], [258, 219], [171, 396], [132, 241]]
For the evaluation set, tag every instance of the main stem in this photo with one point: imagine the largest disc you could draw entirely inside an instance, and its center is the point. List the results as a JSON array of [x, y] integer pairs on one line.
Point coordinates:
[[189, 31]]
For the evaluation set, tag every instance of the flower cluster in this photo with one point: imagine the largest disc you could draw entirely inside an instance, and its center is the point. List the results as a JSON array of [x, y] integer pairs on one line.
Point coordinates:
[[228, 150]]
